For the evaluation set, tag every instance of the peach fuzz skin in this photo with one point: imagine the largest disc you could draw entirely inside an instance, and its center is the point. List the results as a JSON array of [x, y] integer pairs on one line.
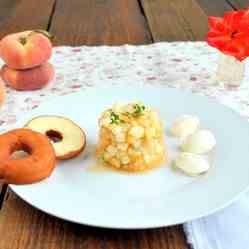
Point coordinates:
[[30, 79], [36, 50], [2, 92]]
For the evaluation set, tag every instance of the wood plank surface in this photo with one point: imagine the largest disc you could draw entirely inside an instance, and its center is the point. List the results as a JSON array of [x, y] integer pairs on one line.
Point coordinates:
[[239, 4], [24, 227], [214, 8], [98, 22], [3, 190], [19, 15], [184, 20]]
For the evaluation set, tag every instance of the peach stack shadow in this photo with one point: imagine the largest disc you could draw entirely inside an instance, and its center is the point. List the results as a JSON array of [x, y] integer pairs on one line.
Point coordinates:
[[26, 56]]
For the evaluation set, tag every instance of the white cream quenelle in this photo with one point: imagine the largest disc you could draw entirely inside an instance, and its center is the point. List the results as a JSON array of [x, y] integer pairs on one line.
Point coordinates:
[[184, 126], [191, 164], [201, 142]]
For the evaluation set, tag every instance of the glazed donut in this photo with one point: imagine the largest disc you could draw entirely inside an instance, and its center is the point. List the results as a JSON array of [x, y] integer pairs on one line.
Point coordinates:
[[35, 167], [68, 138]]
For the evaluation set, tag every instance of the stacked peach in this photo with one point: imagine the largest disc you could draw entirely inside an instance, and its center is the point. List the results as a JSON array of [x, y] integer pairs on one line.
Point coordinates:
[[26, 55]]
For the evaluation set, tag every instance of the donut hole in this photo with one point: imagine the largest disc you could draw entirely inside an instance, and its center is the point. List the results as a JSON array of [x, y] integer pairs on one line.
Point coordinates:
[[54, 136], [21, 153]]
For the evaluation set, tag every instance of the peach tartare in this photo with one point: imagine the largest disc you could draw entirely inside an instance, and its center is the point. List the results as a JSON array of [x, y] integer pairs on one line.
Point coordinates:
[[131, 137]]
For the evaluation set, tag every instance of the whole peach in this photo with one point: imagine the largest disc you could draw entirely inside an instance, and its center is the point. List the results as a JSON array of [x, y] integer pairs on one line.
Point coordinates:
[[29, 79], [2, 93], [25, 49]]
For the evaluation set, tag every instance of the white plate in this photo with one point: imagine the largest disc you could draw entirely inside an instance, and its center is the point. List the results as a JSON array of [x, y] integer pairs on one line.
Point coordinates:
[[161, 197]]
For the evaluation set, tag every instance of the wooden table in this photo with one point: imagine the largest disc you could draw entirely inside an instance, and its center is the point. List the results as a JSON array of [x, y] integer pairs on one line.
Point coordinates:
[[95, 22]]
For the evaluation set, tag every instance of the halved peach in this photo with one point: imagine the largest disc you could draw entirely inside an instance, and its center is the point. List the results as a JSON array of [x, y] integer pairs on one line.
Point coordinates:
[[68, 138]]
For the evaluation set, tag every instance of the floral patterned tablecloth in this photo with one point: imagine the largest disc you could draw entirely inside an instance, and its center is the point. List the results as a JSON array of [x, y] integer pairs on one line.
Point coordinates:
[[179, 64], [182, 65]]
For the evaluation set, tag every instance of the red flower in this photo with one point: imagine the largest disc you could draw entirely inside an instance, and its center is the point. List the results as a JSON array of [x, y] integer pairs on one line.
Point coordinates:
[[230, 34]]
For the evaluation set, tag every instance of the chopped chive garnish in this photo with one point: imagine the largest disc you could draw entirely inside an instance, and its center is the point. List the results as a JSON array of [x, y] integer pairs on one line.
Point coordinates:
[[115, 118], [138, 110]]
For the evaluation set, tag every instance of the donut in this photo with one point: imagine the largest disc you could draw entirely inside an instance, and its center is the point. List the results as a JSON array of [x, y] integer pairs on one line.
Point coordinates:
[[36, 166], [68, 138]]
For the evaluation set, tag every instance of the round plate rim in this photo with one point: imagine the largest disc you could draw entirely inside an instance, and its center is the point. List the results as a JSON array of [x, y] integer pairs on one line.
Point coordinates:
[[157, 225]]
